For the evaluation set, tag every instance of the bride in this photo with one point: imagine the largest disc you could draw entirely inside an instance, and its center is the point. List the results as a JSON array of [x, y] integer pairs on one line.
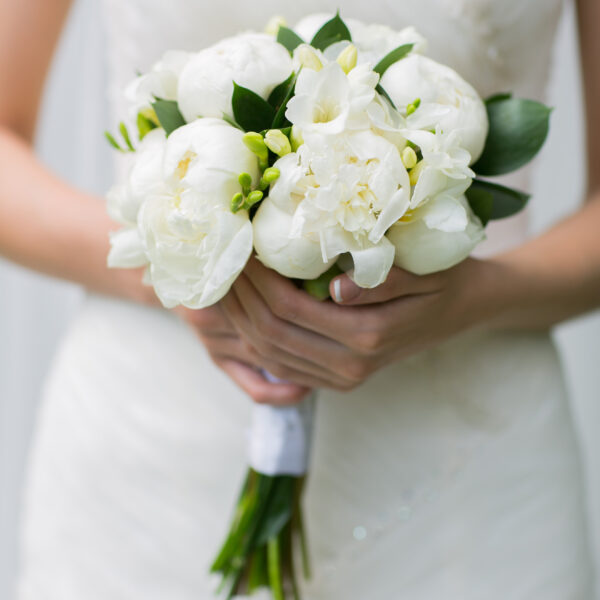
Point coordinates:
[[445, 464]]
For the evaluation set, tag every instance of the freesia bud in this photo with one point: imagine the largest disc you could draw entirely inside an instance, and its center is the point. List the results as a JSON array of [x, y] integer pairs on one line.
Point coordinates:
[[237, 202], [278, 142], [245, 180], [409, 157], [308, 58], [150, 114], [410, 109], [255, 143], [296, 138], [253, 198], [269, 176], [274, 24], [415, 173], [347, 58]]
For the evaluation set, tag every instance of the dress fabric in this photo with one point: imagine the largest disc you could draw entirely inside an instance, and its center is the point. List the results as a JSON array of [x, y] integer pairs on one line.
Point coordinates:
[[453, 474]]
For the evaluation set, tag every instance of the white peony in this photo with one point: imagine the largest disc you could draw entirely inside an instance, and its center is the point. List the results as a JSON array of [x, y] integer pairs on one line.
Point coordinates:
[[372, 41], [194, 245], [252, 60], [296, 257], [160, 82], [438, 86], [376, 41], [341, 194], [436, 236], [124, 200]]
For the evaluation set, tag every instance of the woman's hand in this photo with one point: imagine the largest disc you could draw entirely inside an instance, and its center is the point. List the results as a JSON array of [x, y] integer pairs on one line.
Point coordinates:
[[237, 358], [339, 345]]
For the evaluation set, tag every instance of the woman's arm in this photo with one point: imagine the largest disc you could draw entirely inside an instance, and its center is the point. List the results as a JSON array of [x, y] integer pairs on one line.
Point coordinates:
[[53, 228], [46, 224], [548, 280]]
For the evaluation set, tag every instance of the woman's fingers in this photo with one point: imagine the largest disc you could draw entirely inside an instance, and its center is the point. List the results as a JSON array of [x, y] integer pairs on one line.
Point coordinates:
[[291, 304], [308, 357], [257, 387], [399, 283], [211, 320]]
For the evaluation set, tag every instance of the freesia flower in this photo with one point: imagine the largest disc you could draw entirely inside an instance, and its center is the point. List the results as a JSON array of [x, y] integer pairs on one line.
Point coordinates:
[[444, 164], [329, 101], [252, 60]]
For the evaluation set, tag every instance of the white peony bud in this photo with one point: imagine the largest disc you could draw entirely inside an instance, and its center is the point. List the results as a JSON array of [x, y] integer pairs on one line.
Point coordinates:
[[252, 60], [462, 110]]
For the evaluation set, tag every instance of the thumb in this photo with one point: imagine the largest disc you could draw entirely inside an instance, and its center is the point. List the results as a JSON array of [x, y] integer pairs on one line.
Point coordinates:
[[397, 284]]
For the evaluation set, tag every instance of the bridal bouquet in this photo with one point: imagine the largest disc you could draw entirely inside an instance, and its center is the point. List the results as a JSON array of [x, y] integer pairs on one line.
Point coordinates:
[[336, 146]]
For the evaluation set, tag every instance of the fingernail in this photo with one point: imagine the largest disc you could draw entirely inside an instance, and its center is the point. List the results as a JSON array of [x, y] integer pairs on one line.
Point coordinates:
[[344, 290], [337, 294]]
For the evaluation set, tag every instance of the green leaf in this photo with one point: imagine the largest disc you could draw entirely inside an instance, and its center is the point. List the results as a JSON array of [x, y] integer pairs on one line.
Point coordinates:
[[231, 121], [113, 142], [394, 56], [333, 31], [481, 202], [491, 201], [125, 135], [144, 125], [168, 115], [500, 96], [288, 38], [278, 95], [279, 121], [251, 112], [518, 129], [380, 90]]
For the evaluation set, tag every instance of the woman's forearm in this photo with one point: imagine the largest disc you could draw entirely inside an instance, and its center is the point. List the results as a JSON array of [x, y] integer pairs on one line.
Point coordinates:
[[50, 227], [550, 279]]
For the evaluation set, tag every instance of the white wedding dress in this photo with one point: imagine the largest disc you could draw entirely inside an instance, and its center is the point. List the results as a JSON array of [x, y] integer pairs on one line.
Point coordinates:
[[453, 474]]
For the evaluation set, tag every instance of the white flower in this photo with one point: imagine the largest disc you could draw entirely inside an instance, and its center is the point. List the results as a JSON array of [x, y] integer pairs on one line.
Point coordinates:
[[342, 193], [144, 178], [372, 41], [444, 165], [438, 87], [376, 41], [297, 257], [436, 236], [252, 60], [124, 200], [194, 244], [330, 102], [160, 82]]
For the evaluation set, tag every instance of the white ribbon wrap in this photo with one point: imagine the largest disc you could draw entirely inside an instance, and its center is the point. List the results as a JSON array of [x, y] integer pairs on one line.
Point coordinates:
[[280, 437]]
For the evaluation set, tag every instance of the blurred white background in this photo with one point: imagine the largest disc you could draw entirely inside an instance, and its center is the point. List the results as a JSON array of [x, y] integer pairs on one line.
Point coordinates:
[[34, 310]]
